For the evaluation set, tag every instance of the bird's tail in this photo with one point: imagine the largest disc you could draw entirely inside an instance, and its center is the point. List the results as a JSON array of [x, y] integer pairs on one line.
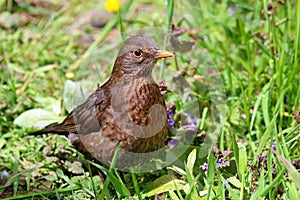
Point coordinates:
[[56, 129]]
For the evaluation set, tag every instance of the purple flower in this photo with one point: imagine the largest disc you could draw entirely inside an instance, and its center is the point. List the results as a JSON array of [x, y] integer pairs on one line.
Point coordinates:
[[189, 114], [204, 166], [265, 44], [173, 142], [192, 124], [274, 145], [191, 127], [190, 96], [171, 122], [219, 163], [232, 10], [170, 112], [194, 121]]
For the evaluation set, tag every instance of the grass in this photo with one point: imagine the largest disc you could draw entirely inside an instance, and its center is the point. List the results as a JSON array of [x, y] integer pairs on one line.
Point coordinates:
[[245, 61]]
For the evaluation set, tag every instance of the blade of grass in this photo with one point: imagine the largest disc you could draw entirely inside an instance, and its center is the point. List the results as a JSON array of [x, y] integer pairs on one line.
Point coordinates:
[[260, 186], [242, 163], [210, 172], [117, 183], [121, 25], [265, 108], [44, 194], [170, 8], [233, 193], [136, 185], [271, 185], [266, 135], [294, 174], [92, 180]]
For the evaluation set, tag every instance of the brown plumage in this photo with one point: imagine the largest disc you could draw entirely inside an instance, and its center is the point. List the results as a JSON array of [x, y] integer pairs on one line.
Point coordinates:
[[128, 109]]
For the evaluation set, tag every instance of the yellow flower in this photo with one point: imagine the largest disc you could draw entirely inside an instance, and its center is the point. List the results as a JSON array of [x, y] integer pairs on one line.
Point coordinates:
[[112, 5]]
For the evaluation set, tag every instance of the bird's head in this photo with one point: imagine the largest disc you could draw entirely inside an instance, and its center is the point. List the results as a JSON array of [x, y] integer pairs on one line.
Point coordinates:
[[138, 56]]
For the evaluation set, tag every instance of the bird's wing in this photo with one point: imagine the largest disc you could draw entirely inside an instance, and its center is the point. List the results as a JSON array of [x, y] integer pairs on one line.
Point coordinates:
[[85, 118]]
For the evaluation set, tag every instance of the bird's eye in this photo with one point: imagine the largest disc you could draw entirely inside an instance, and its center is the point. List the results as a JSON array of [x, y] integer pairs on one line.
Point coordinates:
[[137, 53]]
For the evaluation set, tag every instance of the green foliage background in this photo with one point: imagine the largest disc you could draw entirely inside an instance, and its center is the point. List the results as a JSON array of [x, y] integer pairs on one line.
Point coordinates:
[[255, 46]]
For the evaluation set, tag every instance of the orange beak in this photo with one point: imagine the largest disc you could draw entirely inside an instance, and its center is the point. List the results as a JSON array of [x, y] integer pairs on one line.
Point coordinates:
[[163, 54]]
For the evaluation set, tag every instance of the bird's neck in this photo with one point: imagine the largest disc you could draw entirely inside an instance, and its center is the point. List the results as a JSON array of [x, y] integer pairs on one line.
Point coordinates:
[[119, 76], [120, 73], [130, 81]]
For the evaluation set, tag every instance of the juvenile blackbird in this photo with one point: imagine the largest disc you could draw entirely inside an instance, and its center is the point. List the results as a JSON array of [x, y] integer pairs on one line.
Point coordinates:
[[128, 109]]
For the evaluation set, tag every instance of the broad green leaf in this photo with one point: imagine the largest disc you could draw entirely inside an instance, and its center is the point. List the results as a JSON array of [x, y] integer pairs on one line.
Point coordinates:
[[36, 118], [235, 115], [242, 159], [177, 170], [211, 168], [235, 182], [74, 94], [191, 160], [234, 193], [50, 103], [163, 184], [186, 188]]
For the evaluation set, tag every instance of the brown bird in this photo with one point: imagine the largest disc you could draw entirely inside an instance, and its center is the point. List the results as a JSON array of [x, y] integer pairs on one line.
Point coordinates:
[[128, 109]]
